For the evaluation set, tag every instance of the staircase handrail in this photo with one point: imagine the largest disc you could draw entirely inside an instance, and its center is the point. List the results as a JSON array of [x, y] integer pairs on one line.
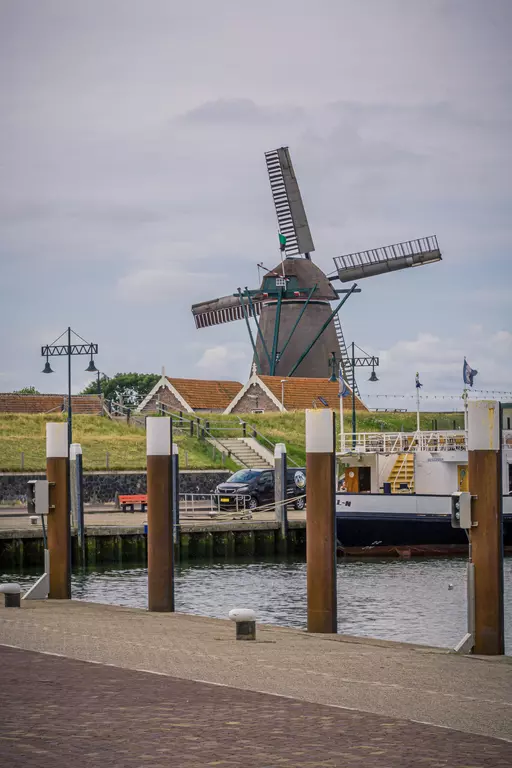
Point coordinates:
[[205, 431], [124, 411], [266, 440]]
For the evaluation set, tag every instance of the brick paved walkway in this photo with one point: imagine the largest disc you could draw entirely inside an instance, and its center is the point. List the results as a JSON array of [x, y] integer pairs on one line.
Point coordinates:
[[58, 712], [397, 681]]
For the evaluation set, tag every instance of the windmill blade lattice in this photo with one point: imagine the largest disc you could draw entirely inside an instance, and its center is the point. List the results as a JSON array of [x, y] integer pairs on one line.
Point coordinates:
[[291, 216], [227, 309]]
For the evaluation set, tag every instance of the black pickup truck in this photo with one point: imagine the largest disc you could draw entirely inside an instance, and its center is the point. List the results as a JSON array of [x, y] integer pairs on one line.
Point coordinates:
[[257, 486]]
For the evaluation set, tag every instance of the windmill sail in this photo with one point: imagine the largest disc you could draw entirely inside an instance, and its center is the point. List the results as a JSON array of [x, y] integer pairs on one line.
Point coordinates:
[[291, 216], [226, 309], [378, 261]]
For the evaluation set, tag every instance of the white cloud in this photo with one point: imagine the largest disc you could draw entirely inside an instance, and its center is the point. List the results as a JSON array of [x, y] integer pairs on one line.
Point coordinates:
[[145, 286], [225, 361]]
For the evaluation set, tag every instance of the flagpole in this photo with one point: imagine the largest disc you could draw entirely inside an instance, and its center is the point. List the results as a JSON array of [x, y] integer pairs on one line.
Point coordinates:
[[282, 247], [417, 403]]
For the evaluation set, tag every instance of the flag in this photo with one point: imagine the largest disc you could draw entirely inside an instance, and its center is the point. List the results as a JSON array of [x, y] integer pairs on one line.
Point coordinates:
[[282, 242], [418, 382], [343, 391], [468, 373]]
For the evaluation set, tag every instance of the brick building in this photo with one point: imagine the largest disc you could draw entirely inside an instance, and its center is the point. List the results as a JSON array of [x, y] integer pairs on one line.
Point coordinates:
[[90, 405], [191, 395], [275, 393]]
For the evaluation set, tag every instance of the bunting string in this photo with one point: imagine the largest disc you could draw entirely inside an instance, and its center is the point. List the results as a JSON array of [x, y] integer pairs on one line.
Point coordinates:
[[371, 395]]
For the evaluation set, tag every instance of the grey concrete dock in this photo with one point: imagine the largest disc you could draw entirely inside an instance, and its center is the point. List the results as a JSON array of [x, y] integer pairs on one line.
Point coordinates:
[[113, 536], [395, 681]]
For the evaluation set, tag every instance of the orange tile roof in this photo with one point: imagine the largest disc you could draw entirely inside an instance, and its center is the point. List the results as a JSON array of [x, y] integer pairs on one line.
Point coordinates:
[[82, 404], [204, 394], [299, 393]]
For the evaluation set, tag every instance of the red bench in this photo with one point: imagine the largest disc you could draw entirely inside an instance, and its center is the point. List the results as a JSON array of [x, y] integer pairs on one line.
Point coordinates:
[[130, 500]]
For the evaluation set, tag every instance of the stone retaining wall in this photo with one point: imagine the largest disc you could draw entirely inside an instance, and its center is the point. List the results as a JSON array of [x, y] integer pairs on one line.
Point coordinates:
[[102, 487]]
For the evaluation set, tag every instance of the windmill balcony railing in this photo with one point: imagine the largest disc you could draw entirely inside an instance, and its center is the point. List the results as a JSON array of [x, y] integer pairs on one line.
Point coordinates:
[[403, 442]]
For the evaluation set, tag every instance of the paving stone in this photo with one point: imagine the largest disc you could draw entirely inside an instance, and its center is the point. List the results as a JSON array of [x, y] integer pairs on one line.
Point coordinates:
[[100, 716]]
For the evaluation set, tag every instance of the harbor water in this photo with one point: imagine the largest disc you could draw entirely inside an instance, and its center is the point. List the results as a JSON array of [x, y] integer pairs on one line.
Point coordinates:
[[417, 600]]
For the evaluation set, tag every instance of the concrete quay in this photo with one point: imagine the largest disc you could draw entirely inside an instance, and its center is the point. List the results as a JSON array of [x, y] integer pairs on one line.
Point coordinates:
[[117, 537], [174, 689]]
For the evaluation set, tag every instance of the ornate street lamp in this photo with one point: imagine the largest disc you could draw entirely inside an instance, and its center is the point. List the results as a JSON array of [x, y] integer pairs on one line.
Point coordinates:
[[356, 362], [69, 349]]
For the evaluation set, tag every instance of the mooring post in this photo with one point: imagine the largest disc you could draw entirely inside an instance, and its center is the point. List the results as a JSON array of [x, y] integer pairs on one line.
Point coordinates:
[[486, 537], [321, 521], [160, 533], [77, 496], [59, 531], [175, 490], [280, 488]]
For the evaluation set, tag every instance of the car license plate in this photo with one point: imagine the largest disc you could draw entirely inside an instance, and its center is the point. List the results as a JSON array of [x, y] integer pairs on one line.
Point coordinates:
[[225, 498]]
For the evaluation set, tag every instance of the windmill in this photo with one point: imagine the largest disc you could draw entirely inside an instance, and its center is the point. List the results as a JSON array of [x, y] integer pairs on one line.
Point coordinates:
[[296, 327]]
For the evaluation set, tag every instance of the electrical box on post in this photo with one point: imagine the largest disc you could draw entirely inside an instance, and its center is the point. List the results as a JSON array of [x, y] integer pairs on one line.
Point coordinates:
[[461, 510], [38, 499]]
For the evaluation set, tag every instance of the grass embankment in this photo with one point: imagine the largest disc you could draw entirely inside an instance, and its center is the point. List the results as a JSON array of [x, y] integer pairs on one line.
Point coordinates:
[[99, 436], [126, 445]]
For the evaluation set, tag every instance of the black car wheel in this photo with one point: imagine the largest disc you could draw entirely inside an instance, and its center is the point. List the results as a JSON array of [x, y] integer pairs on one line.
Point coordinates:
[[252, 503], [300, 503]]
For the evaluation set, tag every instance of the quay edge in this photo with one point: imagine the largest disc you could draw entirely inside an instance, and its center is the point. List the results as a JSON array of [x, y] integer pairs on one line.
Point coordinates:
[[128, 544]]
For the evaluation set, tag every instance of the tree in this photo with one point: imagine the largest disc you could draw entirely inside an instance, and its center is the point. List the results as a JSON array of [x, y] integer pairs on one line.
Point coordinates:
[[26, 391], [131, 388]]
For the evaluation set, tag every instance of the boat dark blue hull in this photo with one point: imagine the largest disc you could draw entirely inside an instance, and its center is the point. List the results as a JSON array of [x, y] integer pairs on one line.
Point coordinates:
[[360, 530]]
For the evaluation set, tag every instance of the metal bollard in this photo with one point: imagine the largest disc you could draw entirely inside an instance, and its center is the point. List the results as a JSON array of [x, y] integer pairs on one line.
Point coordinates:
[[12, 594], [245, 620]]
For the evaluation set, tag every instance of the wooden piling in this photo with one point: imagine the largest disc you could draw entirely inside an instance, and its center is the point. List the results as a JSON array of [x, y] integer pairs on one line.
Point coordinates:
[[59, 532], [321, 521], [160, 528], [486, 537]]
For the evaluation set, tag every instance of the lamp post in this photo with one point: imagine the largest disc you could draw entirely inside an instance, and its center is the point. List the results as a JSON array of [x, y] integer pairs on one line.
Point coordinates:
[[357, 362], [100, 376], [69, 349], [334, 366]]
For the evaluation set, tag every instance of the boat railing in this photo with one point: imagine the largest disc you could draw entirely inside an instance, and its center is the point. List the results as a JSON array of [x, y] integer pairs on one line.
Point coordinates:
[[404, 442]]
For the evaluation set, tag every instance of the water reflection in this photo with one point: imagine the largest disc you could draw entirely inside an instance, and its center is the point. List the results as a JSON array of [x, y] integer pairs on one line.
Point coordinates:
[[407, 600]]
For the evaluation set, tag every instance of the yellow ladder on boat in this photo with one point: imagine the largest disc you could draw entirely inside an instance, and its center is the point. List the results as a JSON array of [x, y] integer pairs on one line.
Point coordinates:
[[402, 472]]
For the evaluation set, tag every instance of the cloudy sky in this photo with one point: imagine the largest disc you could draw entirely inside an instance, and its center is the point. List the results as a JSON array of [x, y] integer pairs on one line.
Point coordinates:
[[133, 182]]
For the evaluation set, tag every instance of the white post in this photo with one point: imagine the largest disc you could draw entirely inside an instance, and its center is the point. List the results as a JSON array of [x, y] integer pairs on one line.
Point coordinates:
[[342, 430], [77, 496], [417, 404], [280, 487], [175, 490]]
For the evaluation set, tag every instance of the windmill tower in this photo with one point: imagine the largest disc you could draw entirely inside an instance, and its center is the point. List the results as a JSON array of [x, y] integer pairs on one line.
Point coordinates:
[[295, 310]]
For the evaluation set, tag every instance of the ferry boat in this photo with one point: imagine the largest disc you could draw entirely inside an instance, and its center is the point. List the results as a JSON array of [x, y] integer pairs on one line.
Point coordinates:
[[394, 495]]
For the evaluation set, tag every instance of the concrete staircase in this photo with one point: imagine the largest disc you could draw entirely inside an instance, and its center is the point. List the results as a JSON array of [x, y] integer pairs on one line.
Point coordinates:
[[402, 472], [245, 451]]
